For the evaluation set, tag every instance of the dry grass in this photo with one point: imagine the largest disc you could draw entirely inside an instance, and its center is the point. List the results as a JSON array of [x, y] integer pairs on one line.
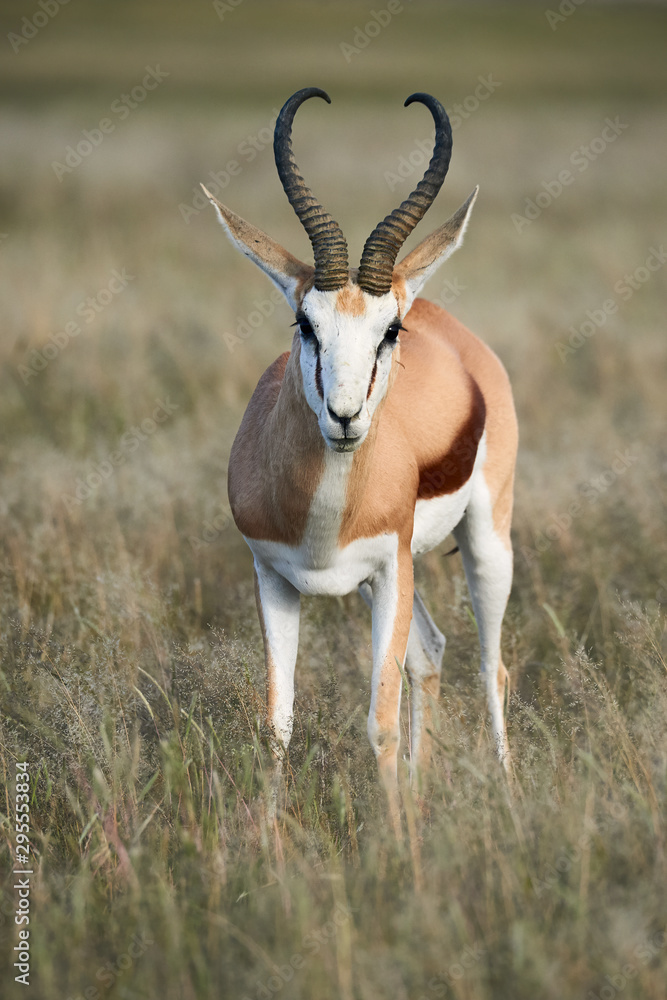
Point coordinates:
[[131, 661]]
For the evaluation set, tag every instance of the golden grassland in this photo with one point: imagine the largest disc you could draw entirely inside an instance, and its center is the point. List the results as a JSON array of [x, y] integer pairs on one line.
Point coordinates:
[[132, 675]]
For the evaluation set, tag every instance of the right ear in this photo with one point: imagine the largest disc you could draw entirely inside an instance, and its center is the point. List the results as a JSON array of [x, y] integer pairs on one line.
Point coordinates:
[[287, 272], [427, 257]]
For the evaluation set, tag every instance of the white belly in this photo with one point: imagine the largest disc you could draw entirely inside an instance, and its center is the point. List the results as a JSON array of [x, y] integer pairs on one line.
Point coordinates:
[[437, 518], [346, 568], [319, 566]]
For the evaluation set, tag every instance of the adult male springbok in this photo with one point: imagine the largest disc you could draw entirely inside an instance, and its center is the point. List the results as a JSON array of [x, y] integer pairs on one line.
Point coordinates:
[[386, 427]]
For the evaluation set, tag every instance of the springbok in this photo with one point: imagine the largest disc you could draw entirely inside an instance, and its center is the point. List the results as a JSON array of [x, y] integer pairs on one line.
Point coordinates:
[[385, 428]]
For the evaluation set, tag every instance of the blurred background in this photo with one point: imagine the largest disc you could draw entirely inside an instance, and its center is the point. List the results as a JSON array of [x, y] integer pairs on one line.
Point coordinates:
[[528, 88], [131, 337]]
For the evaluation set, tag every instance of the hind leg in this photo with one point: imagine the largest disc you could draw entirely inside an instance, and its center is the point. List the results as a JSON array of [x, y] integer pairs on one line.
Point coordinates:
[[487, 560], [426, 647]]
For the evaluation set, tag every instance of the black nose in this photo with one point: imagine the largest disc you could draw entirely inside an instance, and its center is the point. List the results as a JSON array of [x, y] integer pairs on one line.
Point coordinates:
[[343, 421]]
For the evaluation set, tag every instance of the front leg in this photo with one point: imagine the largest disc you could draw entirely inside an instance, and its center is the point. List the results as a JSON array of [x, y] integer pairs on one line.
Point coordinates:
[[392, 588], [278, 606]]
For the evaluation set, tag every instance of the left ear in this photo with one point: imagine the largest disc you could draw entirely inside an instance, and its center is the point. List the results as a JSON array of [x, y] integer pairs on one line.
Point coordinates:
[[425, 259]]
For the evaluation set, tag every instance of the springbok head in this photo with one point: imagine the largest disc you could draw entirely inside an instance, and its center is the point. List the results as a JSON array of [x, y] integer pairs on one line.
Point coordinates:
[[350, 320]]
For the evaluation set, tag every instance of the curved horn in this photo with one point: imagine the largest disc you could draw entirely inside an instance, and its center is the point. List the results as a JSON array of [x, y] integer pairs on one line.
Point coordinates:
[[326, 236], [382, 246]]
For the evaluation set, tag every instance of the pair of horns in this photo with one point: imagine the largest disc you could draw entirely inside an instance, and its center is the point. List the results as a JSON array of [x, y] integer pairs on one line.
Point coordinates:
[[326, 236]]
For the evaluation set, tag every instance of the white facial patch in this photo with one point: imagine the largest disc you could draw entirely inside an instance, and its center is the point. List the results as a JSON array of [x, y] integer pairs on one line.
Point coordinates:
[[346, 362]]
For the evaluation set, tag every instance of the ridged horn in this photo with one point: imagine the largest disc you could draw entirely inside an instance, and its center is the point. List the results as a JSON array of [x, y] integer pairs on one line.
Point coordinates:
[[326, 236], [382, 246]]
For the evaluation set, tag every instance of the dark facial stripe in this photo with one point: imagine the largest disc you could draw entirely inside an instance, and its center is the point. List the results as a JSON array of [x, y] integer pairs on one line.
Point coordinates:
[[372, 381], [318, 377], [449, 473]]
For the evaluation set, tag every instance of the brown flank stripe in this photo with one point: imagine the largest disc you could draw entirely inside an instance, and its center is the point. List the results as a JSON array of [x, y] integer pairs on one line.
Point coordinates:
[[449, 473]]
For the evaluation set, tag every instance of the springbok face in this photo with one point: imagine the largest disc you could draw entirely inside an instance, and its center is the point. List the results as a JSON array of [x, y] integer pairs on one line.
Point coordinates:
[[349, 321], [348, 341]]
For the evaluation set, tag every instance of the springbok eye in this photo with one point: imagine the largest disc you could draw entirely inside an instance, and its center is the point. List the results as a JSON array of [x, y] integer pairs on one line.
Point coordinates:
[[392, 332], [305, 328]]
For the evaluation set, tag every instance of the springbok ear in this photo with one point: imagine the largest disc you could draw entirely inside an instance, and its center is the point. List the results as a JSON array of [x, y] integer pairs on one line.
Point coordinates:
[[418, 266], [286, 271]]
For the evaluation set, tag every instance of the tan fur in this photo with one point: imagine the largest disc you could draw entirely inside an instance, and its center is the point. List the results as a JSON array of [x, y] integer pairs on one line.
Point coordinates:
[[430, 410], [350, 300], [451, 470], [501, 425], [442, 392], [390, 684], [400, 291], [279, 436], [389, 687], [303, 286]]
